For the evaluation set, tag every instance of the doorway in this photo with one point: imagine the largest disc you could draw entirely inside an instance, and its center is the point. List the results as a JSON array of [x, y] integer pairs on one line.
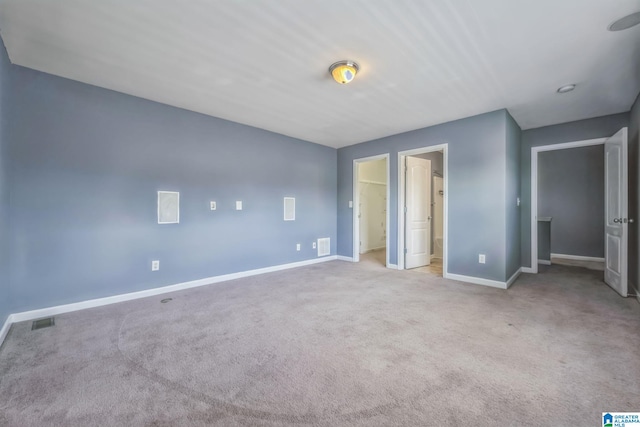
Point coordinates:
[[570, 242], [422, 207], [371, 210]]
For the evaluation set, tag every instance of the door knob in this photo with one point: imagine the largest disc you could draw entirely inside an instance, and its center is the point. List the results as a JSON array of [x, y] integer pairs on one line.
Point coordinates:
[[616, 220]]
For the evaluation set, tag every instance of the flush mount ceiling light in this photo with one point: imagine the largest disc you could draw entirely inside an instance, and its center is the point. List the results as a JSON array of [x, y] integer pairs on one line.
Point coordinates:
[[344, 72], [567, 88], [626, 22]]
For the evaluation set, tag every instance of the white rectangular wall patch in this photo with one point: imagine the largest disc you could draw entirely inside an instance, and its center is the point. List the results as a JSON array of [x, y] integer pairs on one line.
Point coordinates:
[[168, 207]]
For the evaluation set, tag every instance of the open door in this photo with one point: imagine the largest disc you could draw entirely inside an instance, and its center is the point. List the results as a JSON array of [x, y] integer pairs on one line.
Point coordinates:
[[616, 221], [418, 212]]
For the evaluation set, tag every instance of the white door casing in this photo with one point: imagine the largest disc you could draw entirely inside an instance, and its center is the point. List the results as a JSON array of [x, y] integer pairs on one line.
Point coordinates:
[[418, 212], [616, 211]]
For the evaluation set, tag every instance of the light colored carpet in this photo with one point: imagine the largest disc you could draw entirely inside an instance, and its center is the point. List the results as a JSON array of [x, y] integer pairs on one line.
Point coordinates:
[[334, 344]]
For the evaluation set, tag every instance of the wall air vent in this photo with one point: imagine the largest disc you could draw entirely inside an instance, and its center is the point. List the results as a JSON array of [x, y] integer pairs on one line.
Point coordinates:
[[168, 207], [324, 246], [289, 209]]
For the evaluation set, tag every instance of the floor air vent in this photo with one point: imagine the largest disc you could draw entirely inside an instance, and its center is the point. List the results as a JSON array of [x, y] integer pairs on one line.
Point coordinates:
[[42, 323]]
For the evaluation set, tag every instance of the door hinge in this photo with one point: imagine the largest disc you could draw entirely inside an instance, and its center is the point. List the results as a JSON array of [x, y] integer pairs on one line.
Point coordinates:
[[405, 250], [405, 209]]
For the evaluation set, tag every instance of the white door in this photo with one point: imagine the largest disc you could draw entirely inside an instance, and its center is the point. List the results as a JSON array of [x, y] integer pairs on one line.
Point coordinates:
[[616, 227], [418, 212]]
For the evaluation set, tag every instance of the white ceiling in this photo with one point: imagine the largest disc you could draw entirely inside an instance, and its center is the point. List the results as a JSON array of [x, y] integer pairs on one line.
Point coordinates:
[[264, 62]]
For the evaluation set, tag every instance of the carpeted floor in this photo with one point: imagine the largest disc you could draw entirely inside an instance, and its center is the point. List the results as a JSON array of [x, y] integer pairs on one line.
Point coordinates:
[[334, 344]]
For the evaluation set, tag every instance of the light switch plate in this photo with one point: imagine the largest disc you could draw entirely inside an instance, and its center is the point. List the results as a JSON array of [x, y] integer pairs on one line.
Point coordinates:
[[351, 203], [212, 205], [238, 205]]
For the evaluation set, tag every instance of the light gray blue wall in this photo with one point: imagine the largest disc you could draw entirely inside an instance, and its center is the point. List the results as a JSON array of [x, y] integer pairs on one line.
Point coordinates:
[[512, 222], [87, 163], [477, 213], [571, 191], [598, 127], [634, 194], [5, 91]]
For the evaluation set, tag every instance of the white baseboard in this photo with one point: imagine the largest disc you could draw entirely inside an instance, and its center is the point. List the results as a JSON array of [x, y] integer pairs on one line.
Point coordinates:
[[52, 311], [527, 270], [5, 328], [344, 258], [477, 280], [513, 277], [392, 266], [544, 262], [577, 257]]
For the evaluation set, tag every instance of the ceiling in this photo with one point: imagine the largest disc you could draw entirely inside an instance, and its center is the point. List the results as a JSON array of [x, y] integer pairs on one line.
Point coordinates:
[[264, 62]]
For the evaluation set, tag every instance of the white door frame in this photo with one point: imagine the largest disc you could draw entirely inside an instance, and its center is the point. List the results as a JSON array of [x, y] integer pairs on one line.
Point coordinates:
[[534, 191], [401, 196], [356, 204]]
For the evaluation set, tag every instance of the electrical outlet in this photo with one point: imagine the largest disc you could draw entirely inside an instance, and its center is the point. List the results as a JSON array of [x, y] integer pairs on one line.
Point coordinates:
[[481, 258], [518, 201], [314, 245], [212, 205], [155, 265], [297, 246]]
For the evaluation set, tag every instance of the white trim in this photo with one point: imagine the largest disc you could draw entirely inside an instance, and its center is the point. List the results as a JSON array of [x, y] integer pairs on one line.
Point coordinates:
[[368, 181], [477, 280], [379, 248], [445, 176], [356, 203], [544, 262], [344, 258], [526, 270], [5, 328], [577, 257], [534, 188], [52, 311], [513, 277], [392, 266]]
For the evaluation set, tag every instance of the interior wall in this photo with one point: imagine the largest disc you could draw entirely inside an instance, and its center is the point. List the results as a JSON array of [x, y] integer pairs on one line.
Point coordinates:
[[87, 164], [634, 195], [5, 91], [571, 191], [372, 189], [598, 127], [476, 162]]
